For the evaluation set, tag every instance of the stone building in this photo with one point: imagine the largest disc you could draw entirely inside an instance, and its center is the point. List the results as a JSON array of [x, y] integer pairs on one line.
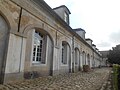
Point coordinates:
[[104, 57], [117, 47], [36, 40]]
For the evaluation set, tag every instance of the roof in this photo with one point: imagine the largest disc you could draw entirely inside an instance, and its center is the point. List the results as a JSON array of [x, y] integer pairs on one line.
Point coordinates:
[[63, 7], [79, 29], [88, 39], [93, 45]]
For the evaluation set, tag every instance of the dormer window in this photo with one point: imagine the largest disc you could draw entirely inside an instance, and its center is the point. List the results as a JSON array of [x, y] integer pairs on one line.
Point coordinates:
[[63, 12], [65, 17]]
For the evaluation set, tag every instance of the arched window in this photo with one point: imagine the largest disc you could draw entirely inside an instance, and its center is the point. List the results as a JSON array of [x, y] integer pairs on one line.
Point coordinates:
[[83, 58], [88, 59], [37, 47], [76, 56], [39, 53], [65, 52]]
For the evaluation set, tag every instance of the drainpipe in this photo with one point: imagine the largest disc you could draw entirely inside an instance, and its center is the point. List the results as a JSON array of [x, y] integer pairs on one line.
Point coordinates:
[[21, 37], [73, 64], [19, 19]]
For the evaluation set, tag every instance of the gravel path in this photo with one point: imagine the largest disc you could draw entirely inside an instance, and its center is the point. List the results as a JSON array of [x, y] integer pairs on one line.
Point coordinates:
[[74, 81]]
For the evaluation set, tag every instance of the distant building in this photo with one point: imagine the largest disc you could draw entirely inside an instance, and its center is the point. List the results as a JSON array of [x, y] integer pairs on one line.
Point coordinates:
[[104, 58], [117, 47]]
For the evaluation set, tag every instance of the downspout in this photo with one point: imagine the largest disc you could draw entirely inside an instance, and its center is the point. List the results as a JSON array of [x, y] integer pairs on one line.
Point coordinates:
[[22, 38], [19, 19], [21, 54], [93, 60], [73, 66]]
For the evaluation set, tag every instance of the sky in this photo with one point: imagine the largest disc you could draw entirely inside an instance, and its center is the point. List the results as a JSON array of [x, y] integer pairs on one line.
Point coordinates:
[[99, 18]]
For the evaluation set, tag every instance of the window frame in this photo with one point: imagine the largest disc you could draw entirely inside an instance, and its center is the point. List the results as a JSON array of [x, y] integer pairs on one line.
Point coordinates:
[[64, 58], [37, 53], [66, 18], [77, 56]]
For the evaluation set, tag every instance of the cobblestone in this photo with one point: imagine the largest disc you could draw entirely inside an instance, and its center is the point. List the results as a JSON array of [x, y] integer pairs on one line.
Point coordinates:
[[74, 81], [108, 84]]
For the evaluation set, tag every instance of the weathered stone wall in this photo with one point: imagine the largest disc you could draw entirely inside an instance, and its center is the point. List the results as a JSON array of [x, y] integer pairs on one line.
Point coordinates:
[[3, 41]]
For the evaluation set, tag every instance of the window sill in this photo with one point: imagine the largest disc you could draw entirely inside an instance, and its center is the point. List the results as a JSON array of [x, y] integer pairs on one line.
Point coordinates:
[[62, 64], [38, 64]]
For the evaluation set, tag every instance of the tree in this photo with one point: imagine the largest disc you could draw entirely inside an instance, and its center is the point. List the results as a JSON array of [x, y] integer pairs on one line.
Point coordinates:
[[114, 56]]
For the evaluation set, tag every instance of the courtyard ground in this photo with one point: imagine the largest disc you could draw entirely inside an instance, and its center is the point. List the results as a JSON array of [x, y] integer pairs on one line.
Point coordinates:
[[93, 80]]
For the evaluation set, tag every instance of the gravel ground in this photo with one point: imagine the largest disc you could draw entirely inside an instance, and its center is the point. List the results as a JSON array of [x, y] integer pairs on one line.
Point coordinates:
[[92, 80]]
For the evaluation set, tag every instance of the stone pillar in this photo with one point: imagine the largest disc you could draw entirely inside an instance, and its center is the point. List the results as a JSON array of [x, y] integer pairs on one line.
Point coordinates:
[[86, 60], [73, 61], [15, 58], [56, 61], [91, 62], [70, 61], [81, 64]]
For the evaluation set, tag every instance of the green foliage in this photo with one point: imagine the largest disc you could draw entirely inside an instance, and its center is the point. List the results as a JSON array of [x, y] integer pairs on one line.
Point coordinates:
[[115, 76], [114, 56]]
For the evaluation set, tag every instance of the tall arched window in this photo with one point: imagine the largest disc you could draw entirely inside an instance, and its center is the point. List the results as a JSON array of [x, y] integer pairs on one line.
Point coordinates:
[[65, 52], [39, 53], [37, 47], [76, 56], [83, 58], [88, 59]]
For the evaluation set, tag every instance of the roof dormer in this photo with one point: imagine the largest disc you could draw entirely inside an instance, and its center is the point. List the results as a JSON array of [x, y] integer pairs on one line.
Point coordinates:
[[89, 41], [80, 32], [63, 12]]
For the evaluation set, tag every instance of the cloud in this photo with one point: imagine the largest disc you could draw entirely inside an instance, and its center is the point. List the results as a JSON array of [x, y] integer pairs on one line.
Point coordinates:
[[56, 3], [115, 37], [104, 44], [100, 23]]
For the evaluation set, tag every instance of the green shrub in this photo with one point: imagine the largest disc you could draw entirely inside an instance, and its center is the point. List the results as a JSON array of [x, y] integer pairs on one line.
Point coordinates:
[[115, 76]]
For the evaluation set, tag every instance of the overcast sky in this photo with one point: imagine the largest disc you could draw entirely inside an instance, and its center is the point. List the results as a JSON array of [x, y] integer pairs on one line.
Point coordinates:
[[99, 18]]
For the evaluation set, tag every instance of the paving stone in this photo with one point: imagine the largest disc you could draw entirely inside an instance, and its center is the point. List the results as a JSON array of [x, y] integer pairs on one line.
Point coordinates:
[[74, 81]]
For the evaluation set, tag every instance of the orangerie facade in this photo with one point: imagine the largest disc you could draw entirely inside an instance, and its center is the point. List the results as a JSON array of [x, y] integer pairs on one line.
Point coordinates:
[[36, 40]]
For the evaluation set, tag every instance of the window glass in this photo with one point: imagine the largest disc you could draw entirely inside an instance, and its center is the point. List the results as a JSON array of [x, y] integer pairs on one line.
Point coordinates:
[[65, 17], [38, 47], [64, 53]]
